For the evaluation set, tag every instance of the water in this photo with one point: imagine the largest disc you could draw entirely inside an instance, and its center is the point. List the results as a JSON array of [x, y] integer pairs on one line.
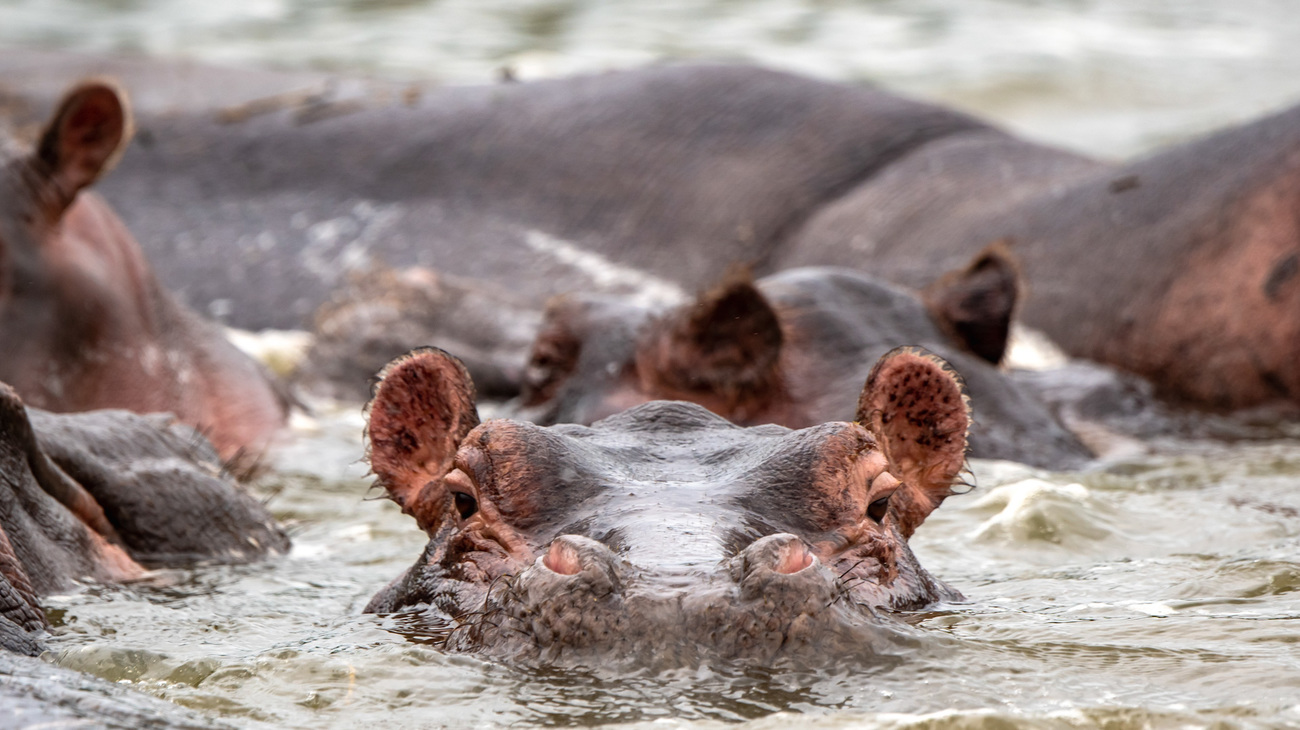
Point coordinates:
[[1161, 591]]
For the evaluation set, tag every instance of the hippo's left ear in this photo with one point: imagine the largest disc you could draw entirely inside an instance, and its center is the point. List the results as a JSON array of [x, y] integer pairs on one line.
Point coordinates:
[[726, 344], [916, 405], [84, 138], [975, 305], [421, 411]]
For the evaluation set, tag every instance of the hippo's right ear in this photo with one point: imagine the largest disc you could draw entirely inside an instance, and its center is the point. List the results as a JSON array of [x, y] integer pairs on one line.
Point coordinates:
[[975, 305], [916, 405], [84, 138], [422, 409]]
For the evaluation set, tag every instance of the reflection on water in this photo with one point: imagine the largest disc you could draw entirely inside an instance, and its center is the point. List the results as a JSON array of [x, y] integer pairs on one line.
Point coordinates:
[[1163, 591], [1108, 76]]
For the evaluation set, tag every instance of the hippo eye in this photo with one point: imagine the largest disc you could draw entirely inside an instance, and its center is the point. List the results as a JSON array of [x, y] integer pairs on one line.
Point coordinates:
[[466, 505], [877, 509]]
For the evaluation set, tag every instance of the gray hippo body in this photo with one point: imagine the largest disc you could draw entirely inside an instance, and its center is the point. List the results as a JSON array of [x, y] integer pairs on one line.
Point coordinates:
[[101, 495], [793, 349], [591, 183], [674, 172]]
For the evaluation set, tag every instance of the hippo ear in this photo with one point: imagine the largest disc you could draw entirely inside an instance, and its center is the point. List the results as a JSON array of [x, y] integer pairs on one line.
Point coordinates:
[[554, 356], [84, 138], [727, 344], [421, 411], [916, 405], [975, 305]]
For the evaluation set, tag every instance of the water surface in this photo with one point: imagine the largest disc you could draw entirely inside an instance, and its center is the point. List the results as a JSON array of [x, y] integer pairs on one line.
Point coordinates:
[[1161, 591]]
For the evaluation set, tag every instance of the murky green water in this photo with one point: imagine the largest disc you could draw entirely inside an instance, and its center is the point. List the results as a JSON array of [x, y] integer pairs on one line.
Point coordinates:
[[1163, 592]]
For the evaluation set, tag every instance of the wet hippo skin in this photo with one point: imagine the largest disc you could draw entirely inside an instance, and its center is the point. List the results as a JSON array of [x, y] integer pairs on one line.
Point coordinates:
[[665, 535], [792, 349], [83, 321], [98, 496], [680, 172]]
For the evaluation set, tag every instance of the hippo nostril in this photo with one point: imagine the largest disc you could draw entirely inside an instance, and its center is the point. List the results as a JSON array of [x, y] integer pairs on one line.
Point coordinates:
[[793, 558], [784, 554], [562, 558]]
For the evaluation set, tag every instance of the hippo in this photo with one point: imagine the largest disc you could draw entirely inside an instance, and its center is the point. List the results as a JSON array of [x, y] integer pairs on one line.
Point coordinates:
[[1178, 267], [381, 313], [85, 323], [665, 535], [104, 495], [36, 694], [793, 349], [594, 182]]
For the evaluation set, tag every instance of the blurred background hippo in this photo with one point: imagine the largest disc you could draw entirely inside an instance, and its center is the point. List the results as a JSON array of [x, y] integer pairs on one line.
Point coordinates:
[[83, 320], [665, 535], [102, 495], [793, 349], [589, 183]]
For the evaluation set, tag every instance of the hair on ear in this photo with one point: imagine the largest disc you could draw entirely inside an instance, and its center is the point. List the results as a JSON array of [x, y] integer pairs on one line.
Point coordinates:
[[422, 409]]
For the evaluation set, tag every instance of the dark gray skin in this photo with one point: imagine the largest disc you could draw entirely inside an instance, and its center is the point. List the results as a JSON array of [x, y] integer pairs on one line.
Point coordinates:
[[793, 349], [683, 171], [503, 183], [381, 314], [1180, 267], [36, 694], [99, 496], [665, 535]]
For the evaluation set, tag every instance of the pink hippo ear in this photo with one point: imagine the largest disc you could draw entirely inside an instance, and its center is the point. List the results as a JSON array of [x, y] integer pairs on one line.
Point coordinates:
[[974, 306], [916, 405], [726, 345], [84, 138], [422, 409]]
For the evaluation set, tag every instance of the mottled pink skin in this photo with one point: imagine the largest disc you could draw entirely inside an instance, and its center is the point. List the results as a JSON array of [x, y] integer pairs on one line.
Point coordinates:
[[84, 321]]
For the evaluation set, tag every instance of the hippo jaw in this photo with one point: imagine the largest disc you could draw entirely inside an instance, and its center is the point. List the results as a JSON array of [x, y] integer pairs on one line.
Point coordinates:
[[665, 535]]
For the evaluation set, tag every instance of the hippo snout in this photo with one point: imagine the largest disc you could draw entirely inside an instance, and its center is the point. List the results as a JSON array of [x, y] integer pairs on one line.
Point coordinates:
[[783, 573], [575, 563]]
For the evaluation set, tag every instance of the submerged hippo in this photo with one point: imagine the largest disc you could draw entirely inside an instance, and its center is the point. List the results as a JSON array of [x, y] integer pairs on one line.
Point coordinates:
[[1180, 267], [792, 349], [666, 534], [83, 321], [100, 495], [382, 313]]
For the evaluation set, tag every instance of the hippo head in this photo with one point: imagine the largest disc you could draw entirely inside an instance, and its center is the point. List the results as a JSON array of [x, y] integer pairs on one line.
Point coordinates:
[[64, 283], [665, 534], [767, 351], [38, 189], [84, 321]]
